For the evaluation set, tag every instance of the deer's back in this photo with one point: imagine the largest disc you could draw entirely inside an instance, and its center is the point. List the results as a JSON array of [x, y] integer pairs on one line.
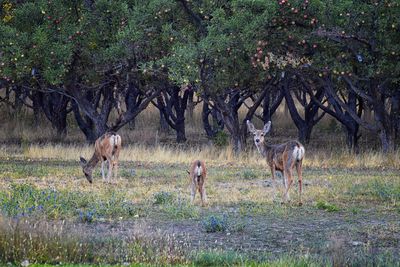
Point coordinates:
[[279, 153]]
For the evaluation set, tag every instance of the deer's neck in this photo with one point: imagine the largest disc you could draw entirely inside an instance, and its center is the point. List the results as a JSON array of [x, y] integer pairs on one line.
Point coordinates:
[[263, 149], [92, 162]]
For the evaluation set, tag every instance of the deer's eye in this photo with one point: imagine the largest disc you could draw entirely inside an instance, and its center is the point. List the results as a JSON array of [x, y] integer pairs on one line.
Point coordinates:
[[262, 134]]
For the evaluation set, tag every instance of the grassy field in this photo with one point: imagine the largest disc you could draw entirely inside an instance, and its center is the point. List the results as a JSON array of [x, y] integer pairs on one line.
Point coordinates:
[[50, 214]]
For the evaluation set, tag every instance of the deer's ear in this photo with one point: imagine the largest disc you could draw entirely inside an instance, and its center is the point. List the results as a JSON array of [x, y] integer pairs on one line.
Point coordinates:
[[250, 126], [82, 161], [267, 127]]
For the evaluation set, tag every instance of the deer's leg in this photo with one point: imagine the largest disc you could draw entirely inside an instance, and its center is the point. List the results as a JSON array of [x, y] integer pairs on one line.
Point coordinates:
[[300, 177], [193, 191], [289, 183], [102, 170], [116, 169], [109, 169], [116, 156], [273, 179], [203, 196], [287, 173]]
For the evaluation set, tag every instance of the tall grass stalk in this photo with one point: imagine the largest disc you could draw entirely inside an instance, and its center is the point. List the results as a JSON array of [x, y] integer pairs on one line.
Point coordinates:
[[315, 158]]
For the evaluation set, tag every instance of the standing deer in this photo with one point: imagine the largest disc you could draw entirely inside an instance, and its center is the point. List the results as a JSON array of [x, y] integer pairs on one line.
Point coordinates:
[[280, 157], [198, 175], [106, 149]]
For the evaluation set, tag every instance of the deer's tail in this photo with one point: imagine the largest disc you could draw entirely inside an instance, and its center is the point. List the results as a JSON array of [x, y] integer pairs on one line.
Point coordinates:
[[298, 152], [198, 170], [115, 141]]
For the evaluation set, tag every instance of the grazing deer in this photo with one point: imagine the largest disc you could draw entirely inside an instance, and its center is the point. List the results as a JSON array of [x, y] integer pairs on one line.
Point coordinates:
[[280, 157], [106, 149], [198, 175]]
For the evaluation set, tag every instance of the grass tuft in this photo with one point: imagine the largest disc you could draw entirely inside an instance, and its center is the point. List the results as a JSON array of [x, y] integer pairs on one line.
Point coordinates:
[[215, 223], [327, 206]]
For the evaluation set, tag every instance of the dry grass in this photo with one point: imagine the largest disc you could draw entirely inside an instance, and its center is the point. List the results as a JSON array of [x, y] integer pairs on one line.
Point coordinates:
[[63, 242], [215, 156]]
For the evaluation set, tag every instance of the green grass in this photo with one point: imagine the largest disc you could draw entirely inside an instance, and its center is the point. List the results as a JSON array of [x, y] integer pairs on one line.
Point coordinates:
[[51, 214], [22, 200], [327, 206]]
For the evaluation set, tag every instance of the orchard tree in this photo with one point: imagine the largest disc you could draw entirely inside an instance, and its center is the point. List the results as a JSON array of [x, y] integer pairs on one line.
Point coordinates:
[[212, 49], [359, 50], [90, 52]]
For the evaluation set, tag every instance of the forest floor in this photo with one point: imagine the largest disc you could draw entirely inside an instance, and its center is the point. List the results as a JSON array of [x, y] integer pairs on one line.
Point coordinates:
[[350, 216]]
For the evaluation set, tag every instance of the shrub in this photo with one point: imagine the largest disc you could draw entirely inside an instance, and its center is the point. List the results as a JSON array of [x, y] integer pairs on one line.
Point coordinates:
[[249, 174], [327, 206], [214, 224], [27, 200], [87, 216], [378, 189], [221, 139], [218, 259], [163, 197], [181, 209]]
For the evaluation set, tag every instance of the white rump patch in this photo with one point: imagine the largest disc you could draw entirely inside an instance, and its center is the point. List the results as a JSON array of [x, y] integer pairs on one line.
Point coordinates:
[[198, 170], [115, 140], [298, 152]]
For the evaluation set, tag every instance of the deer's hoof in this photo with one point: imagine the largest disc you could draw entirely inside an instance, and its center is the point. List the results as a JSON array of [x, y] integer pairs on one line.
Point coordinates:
[[300, 204]]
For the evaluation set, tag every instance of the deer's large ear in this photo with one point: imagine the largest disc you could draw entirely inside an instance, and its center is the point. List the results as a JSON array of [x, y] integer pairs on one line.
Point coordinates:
[[83, 161], [250, 126], [267, 127]]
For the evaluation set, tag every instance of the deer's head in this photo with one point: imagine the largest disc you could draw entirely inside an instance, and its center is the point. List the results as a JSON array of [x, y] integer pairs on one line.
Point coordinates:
[[86, 169], [259, 135]]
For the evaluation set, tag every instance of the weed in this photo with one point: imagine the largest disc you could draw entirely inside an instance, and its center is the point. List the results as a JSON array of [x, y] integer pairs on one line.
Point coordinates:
[[326, 206], [25, 200], [181, 209], [249, 174], [221, 139], [215, 223], [213, 258], [163, 197], [87, 216], [381, 190]]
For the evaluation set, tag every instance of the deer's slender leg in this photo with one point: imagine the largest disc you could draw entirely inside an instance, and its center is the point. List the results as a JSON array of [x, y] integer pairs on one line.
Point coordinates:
[[102, 170], [289, 183], [272, 166], [193, 191], [203, 195], [115, 171], [116, 156], [299, 174], [287, 175], [109, 170]]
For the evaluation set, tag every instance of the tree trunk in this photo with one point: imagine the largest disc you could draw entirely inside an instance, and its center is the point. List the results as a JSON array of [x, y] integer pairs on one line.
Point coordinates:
[[180, 131], [217, 124], [164, 127]]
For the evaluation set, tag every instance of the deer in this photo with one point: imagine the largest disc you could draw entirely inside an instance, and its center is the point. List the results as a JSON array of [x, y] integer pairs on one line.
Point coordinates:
[[198, 176], [280, 157], [106, 149]]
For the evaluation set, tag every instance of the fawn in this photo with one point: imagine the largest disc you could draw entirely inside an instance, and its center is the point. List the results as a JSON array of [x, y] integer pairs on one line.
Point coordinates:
[[280, 157], [106, 149], [198, 175]]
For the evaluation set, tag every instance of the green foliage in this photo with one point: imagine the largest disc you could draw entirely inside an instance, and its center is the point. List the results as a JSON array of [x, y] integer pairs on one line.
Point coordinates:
[[212, 258], [381, 190], [26, 200], [323, 205], [214, 223], [180, 209], [221, 139], [163, 197], [249, 174]]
